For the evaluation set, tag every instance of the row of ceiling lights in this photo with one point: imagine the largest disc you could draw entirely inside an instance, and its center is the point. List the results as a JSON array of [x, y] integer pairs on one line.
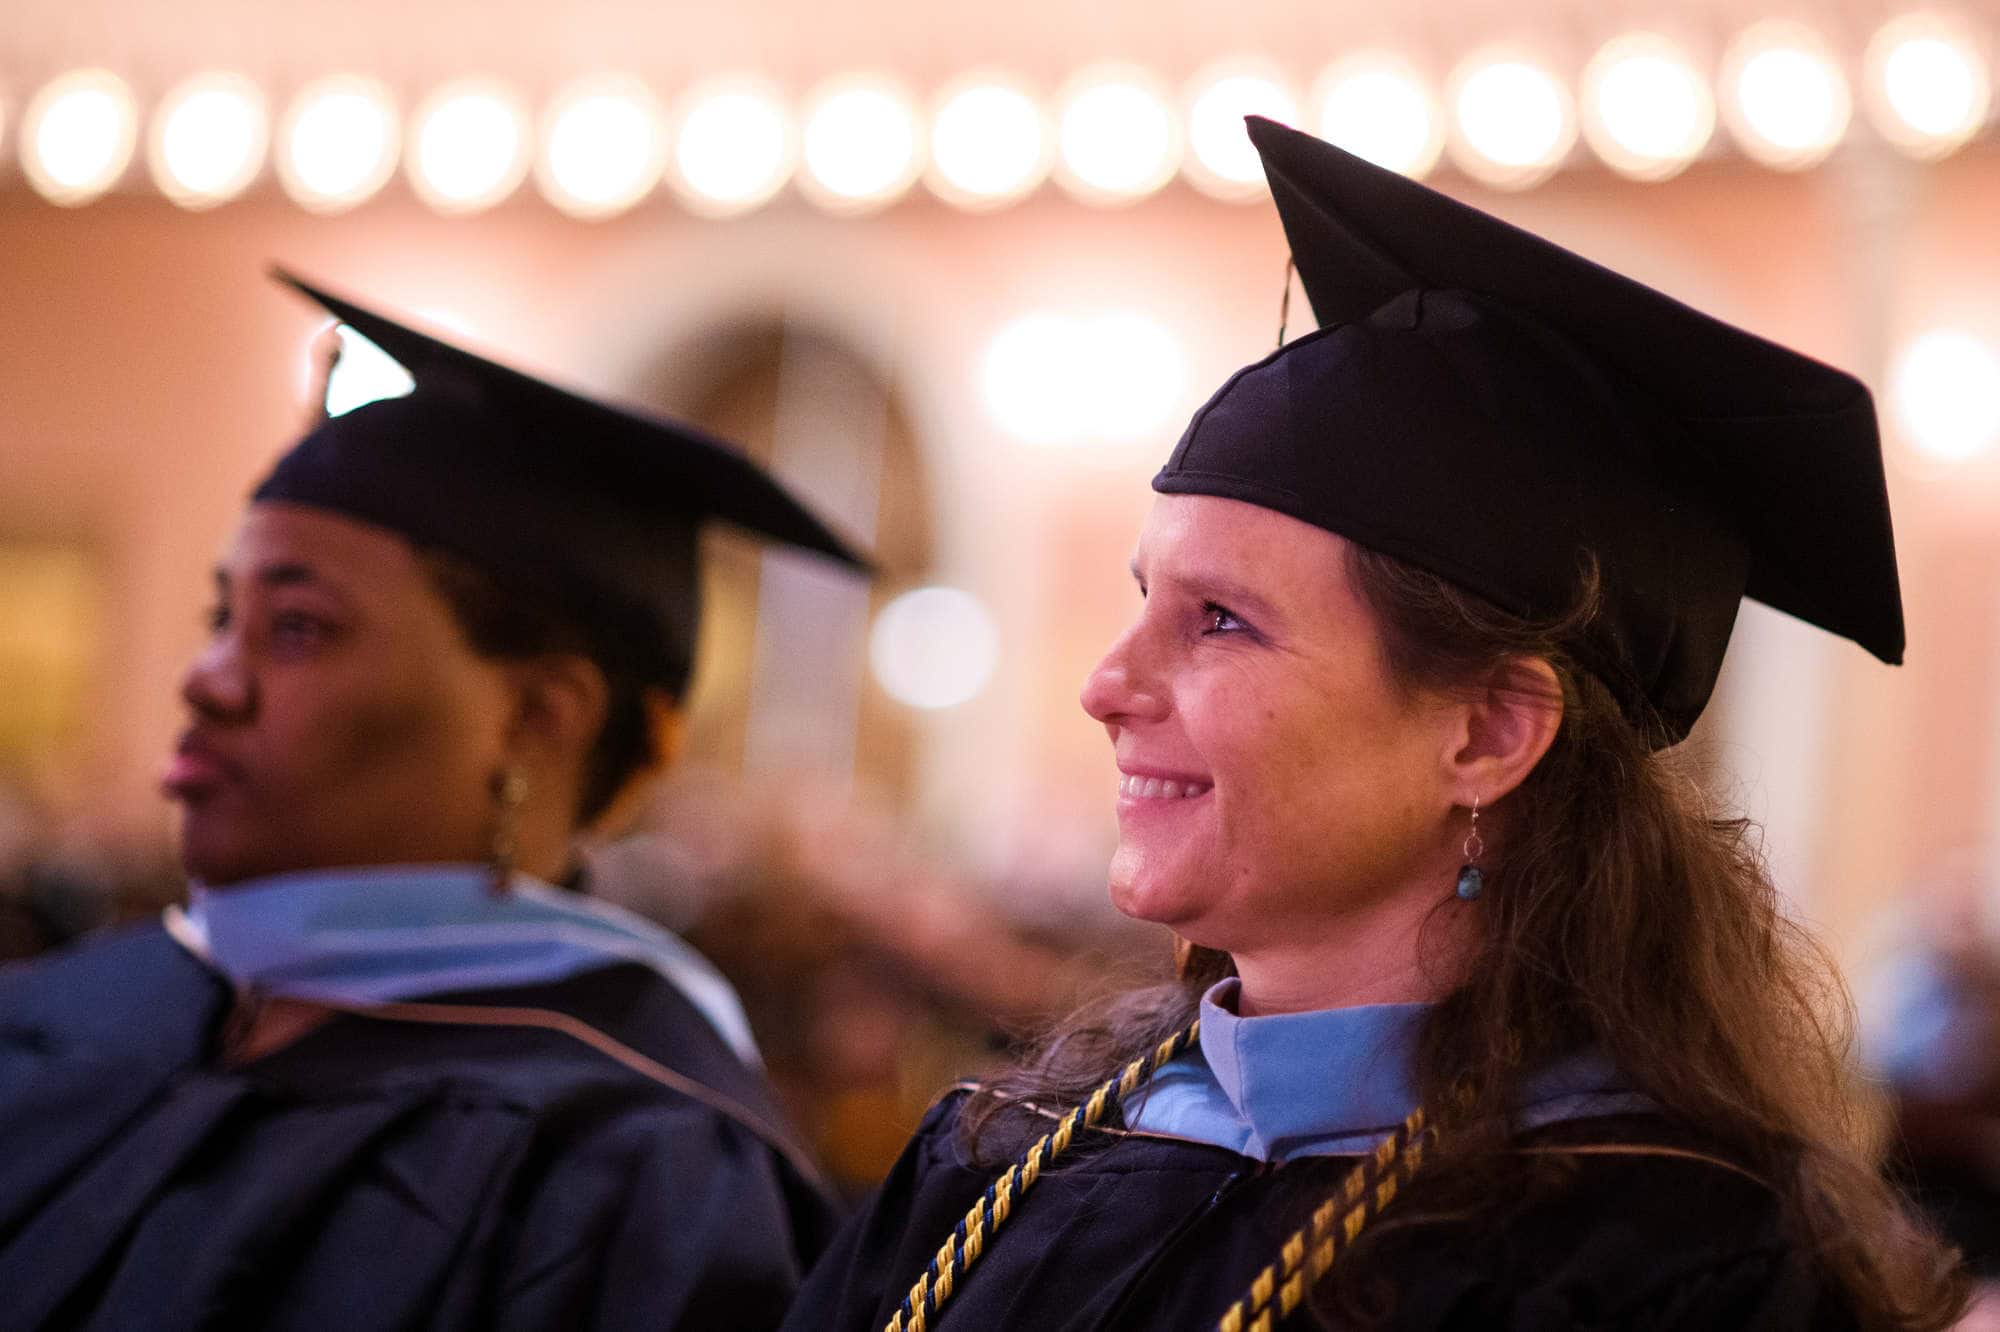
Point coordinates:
[[1114, 133]]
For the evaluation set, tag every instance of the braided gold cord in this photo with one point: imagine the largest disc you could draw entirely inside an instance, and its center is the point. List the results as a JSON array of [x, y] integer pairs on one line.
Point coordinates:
[[1308, 1253], [1291, 1293], [946, 1262], [964, 1245]]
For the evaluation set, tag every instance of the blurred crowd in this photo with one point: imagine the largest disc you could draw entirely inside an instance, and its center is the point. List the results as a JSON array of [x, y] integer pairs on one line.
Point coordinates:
[[61, 878], [1930, 1030]]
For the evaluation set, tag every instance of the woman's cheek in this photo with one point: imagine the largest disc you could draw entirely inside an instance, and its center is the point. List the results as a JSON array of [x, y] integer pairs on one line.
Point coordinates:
[[358, 731]]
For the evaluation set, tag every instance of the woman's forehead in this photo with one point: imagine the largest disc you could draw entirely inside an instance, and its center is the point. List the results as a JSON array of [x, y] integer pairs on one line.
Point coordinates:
[[1185, 534], [294, 543]]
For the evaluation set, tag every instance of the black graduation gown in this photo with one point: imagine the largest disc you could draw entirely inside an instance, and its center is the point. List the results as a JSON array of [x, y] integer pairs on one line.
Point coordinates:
[[1148, 1232], [382, 1174]]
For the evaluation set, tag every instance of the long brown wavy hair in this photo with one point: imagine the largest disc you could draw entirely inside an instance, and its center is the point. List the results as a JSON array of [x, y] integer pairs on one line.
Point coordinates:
[[1624, 912]]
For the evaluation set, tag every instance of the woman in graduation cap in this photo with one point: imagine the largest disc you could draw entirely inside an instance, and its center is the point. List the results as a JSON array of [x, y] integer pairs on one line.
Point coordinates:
[[1487, 1018], [381, 1072]]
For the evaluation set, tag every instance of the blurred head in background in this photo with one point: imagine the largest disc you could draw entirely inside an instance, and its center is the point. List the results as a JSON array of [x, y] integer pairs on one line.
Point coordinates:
[[454, 626]]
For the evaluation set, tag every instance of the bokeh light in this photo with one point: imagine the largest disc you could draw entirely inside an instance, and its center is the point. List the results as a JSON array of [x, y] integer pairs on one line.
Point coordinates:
[[208, 139], [1378, 106], [1028, 384], [604, 146], [1647, 110], [1117, 135], [1054, 379], [1946, 390], [468, 146], [934, 647], [77, 136], [861, 143], [1221, 160], [734, 145], [991, 143], [1928, 86], [1783, 95], [338, 143], [1139, 374], [1513, 121]]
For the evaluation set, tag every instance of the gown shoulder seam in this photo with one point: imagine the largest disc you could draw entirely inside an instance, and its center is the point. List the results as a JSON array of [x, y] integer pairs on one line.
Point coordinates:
[[547, 1019], [1642, 1149]]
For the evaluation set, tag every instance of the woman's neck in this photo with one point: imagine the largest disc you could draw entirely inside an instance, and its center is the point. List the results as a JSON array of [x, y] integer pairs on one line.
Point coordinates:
[[1403, 950]]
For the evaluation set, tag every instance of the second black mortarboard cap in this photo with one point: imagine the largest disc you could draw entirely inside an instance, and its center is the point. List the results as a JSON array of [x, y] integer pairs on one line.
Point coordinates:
[[592, 508], [1487, 405]]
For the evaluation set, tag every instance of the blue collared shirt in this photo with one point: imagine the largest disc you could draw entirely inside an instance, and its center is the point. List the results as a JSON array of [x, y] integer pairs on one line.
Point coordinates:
[[1326, 1082]]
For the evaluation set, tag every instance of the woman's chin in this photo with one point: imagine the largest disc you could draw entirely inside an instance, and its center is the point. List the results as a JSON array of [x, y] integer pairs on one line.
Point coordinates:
[[1143, 893], [216, 856], [211, 872]]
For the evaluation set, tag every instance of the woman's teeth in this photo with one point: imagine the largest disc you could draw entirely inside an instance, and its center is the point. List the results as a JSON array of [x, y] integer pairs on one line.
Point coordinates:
[[1156, 788]]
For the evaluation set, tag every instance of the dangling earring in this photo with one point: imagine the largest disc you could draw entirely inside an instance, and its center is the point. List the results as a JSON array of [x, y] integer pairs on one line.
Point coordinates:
[[1472, 879], [510, 788]]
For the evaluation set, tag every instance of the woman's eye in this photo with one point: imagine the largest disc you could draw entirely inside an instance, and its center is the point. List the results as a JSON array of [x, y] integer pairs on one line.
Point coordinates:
[[1219, 619], [297, 627], [216, 618]]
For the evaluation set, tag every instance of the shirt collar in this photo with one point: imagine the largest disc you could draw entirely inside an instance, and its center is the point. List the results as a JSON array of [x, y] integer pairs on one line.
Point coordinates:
[[386, 933], [1333, 1080], [1310, 1075]]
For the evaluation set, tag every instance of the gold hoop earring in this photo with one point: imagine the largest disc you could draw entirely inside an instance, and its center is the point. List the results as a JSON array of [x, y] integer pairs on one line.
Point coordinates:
[[510, 790]]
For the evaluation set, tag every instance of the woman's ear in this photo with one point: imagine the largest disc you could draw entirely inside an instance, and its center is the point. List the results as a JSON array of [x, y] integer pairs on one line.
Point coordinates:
[[1510, 720], [561, 702]]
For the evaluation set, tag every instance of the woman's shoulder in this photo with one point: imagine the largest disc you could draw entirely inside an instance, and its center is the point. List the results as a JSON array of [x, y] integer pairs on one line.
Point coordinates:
[[619, 1037], [1618, 1222], [1661, 1174], [1096, 1222], [105, 978]]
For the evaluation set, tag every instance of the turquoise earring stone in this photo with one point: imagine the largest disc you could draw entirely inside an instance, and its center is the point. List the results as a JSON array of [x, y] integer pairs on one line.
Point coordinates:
[[1471, 882]]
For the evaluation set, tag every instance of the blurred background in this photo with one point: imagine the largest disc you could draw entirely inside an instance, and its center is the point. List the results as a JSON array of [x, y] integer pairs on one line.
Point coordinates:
[[960, 275]]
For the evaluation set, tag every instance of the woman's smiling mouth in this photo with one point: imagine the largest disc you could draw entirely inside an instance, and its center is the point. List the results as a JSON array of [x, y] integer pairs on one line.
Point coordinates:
[[1136, 786]]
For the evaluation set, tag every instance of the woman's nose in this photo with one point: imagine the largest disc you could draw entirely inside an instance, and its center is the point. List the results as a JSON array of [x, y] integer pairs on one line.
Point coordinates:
[[217, 684], [1120, 690]]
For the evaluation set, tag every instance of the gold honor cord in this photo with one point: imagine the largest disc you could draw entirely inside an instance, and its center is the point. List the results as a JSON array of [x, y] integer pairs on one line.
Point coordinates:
[[964, 1245], [1310, 1251]]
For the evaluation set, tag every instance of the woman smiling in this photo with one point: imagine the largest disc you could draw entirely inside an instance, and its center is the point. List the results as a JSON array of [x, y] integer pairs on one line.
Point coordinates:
[[1487, 1018], [1277, 757], [382, 1071]]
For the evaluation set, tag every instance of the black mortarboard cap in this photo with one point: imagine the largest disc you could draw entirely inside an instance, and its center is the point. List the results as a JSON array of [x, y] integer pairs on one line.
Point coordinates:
[[592, 508], [1491, 407]]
